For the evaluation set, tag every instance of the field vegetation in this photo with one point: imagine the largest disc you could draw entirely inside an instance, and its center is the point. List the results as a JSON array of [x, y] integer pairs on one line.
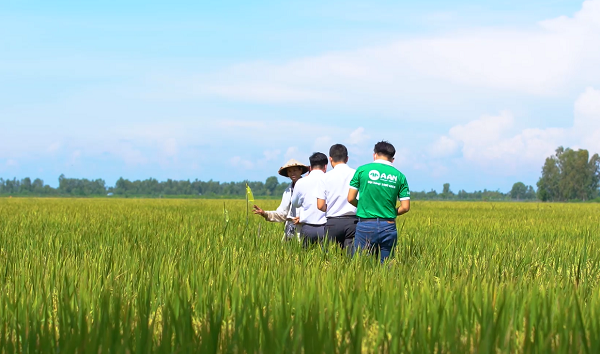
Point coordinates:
[[135, 276]]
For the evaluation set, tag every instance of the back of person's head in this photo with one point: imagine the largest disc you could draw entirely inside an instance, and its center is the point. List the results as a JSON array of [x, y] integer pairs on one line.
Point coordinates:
[[385, 149], [318, 160], [338, 153]]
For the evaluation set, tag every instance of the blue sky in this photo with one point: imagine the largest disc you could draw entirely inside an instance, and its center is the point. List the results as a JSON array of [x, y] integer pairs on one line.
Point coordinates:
[[474, 94]]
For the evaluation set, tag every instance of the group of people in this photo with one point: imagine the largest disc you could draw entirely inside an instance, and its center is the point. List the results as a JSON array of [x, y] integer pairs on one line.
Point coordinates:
[[355, 208]]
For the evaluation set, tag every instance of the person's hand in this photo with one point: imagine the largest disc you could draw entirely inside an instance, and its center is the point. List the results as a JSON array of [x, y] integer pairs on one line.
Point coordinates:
[[296, 220], [258, 211]]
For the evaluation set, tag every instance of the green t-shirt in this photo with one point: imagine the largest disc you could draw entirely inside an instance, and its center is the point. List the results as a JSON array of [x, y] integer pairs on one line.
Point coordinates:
[[379, 186]]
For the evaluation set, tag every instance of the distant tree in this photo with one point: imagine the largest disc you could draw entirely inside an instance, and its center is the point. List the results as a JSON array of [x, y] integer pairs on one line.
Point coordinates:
[[446, 189], [548, 184], [530, 193], [121, 186], [432, 194], [446, 192], [38, 185], [81, 187], [568, 175], [271, 185], [518, 191], [26, 184]]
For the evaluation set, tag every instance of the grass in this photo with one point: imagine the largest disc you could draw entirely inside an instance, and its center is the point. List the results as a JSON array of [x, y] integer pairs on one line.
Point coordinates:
[[137, 276]]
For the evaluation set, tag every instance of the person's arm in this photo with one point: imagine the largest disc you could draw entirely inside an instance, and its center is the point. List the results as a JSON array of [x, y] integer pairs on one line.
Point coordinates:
[[404, 196], [321, 205], [321, 201], [278, 215], [352, 193], [354, 186], [272, 216], [404, 207]]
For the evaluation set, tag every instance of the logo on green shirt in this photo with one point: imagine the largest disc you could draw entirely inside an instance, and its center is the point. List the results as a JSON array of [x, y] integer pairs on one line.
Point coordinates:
[[374, 175]]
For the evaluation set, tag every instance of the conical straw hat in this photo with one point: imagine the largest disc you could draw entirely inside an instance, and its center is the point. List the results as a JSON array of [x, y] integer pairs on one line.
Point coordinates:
[[292, 163]]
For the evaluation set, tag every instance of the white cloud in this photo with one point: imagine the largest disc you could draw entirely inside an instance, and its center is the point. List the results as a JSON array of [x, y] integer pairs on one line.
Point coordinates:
[[488, 141], [237, 161], [322, 144], [74, 158], [170, 147], [131, 156], [232, 123], [291, 153], [480, 138], [438, 169], [546, 59], [271, 154], [53, 147], [358, 136], [270, 92], [403, 158], [587, 118], [587, 109], [444, 146]]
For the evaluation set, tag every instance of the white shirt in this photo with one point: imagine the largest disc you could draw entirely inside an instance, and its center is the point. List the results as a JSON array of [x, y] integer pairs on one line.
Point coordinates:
[[305, 199], [285, 213], [334, 190]]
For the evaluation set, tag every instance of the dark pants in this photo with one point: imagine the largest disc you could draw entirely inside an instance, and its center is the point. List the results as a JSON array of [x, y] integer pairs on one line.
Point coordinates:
[[375, 236], [312, 234], [341, 230]]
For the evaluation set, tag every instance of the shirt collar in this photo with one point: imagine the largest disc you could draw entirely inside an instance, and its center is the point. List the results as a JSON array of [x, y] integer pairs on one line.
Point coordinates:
[[315, 171], [341, 165], [385, 162]]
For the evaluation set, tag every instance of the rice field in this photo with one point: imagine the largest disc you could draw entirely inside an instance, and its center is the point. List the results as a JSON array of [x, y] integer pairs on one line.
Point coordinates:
[[182, 276]]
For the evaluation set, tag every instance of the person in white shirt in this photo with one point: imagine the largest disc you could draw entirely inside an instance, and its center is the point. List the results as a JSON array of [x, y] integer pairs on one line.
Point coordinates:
[[312, 220], [332, 198], [285, 212]]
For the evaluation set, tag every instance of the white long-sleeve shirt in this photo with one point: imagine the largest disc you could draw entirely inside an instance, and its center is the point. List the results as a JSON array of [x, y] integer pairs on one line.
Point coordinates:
[[284, 213], [305, 199], [334, 187]]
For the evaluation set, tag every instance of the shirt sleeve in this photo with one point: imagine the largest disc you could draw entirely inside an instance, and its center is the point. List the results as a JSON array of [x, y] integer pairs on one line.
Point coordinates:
[[297, 196], [321, 192], [355, 181], [281, 213], [275, 216], [284, 207], [403, 192]]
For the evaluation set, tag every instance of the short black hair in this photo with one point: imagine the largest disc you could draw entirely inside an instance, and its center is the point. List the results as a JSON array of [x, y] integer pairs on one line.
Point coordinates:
[[338, 153], [386, 149], [318, 160]]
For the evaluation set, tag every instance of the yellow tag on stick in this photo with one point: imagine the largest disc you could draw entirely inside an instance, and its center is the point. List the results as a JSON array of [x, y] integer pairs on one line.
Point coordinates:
[[249, 194]]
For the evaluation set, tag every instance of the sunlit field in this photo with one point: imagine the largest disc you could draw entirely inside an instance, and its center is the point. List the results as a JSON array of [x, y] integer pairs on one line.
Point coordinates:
[[134, 276]]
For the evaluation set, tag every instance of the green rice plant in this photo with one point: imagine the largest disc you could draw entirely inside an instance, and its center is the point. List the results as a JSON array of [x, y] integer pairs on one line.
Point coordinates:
[[138, 276]]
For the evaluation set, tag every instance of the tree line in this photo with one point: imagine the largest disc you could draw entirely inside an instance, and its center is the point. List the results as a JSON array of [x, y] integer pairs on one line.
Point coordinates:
[[153, 188], [568, 175], [139, 188], [519, 191]]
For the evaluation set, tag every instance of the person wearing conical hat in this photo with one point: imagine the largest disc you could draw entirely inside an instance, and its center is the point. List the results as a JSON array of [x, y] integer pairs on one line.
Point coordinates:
[[294, 170]]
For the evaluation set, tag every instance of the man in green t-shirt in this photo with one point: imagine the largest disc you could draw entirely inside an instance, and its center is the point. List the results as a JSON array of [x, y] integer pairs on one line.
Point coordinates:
[[380, 186]]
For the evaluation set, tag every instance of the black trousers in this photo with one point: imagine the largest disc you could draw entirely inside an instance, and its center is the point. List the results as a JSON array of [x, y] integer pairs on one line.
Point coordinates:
[[341, 230], [312, 234]]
